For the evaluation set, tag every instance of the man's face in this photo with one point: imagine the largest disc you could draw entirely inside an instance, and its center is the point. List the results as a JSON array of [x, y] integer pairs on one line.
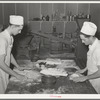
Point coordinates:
[[85, 40], [17, 29]]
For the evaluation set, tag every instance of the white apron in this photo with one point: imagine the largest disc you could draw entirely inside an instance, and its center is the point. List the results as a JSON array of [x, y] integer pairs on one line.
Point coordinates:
[[4, 77], [92, 67]]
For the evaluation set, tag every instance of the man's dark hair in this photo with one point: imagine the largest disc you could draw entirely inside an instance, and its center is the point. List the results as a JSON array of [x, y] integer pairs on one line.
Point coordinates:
[[87, 36], [14, 25]]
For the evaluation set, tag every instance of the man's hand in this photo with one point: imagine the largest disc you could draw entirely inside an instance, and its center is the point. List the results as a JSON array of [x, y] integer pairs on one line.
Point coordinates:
[[20, 68], [80, 79], [21, 77], [80, 71]]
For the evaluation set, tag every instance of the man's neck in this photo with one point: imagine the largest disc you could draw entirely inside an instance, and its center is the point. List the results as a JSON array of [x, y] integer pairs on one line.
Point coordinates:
[[9, 30], [94, 38]]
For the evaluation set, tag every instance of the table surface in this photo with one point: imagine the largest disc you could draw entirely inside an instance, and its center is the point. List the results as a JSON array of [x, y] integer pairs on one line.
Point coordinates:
[[62, 86]]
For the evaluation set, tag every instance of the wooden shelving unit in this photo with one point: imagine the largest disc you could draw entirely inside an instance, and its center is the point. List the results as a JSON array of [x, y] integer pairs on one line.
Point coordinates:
[[61, 17]]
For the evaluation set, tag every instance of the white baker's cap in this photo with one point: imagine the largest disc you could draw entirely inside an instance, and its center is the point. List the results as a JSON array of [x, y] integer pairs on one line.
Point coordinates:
[[16, 20], [89, 28]]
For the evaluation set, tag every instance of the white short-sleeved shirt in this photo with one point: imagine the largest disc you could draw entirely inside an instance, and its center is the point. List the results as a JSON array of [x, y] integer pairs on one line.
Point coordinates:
[[93, 60], [6, 42], [93, 56]]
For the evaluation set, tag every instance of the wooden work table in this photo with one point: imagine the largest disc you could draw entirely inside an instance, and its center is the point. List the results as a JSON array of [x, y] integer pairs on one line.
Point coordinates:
[[63, 86], [69, 87]]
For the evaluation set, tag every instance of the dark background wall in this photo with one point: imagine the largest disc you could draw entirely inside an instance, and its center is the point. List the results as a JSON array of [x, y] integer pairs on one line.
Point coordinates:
[[95, 16]]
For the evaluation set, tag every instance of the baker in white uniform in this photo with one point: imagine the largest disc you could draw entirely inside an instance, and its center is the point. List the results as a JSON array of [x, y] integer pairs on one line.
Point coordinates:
[[87, 36], [6, 57]]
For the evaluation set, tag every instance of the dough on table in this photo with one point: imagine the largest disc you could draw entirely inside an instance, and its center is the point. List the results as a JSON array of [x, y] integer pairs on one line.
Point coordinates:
[[31, 74], [73, 76], [54, 72]]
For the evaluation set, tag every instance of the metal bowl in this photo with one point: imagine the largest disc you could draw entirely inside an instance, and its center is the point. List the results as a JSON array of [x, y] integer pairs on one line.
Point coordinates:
[[48, 80], [71, 70]]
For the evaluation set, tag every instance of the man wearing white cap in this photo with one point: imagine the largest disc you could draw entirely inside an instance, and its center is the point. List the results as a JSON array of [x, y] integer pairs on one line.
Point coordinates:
[[6, 57], [87, 36]]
